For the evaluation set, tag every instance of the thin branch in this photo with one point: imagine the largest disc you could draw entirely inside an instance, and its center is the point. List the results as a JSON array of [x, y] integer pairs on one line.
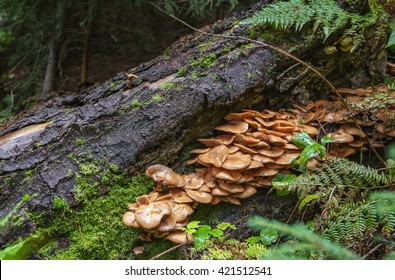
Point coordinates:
[[372, 251], [167, 251]]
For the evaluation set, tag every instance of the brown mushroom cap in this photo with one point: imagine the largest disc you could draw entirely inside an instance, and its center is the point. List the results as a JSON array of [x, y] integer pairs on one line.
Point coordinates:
[[262, 159], [239, 116], [248, 191], [168, 223], [144, 199], [158, 172], [353, 130], [237, 161], [230, 175], [150, 215], [341, 137], [245, 149], [287, 158], [180, 237], [217, 191], [182, 211], [216, 156], [233, 127], [129, 220], [192, 181], [272, 152], [201, 197], [231, 188], [180, 196]]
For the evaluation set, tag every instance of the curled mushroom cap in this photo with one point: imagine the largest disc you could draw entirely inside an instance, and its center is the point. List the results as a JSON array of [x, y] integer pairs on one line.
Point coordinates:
[[167, 223], [216, 156], [158, 172], [150, 215], [129, 220]]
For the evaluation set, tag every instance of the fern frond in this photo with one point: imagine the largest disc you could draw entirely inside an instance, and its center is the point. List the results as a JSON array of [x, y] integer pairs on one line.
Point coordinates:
[[340, 180], [321, 13]]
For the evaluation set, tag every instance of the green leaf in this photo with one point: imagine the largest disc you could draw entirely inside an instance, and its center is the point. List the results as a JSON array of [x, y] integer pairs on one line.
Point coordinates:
[[310, 152], [223, 226], [268, 236], [306, 200], [391, 40], [193, 224], [216, 232], [302, 140], [326, 139], [281, 180], [253, 239], [201, 235]]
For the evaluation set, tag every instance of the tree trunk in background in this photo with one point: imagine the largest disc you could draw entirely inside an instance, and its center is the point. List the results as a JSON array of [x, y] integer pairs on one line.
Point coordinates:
[[51, 71], [178, 97], [85, 54]]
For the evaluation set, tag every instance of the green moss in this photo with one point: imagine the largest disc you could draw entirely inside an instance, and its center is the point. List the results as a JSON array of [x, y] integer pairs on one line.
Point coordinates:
[[182, 71], [157, 98], [115, 84], [60, 204], [195, 76], [81, 141], [4, 220], [167, 86], [96, 230], [269, 69], [226, 50], [135, 104], [37, 145], [28, 176], [205, 62], [215, 77]]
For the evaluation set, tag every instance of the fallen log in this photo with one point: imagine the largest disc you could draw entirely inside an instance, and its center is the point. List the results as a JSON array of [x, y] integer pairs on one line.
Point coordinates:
[[134, 122]]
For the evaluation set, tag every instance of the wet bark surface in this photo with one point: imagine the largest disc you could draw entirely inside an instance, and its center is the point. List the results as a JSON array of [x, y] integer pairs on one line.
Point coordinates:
[[165, 108]]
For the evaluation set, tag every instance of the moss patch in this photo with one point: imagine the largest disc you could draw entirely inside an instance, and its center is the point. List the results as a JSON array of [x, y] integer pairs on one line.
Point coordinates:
[[96, 231]]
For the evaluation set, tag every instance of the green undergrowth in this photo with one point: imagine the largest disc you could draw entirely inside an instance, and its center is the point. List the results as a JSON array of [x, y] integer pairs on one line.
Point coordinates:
[[95, 231]]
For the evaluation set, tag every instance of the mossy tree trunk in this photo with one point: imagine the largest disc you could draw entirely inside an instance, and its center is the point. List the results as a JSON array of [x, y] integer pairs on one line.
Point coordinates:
[[178, 97]]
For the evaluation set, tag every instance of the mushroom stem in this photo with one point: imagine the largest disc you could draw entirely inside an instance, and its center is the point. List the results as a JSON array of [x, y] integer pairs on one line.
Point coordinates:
[[159, 187]]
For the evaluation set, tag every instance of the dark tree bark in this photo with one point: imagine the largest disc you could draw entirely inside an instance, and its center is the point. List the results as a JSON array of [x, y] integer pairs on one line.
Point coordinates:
[[85, 53], [152, 121]]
